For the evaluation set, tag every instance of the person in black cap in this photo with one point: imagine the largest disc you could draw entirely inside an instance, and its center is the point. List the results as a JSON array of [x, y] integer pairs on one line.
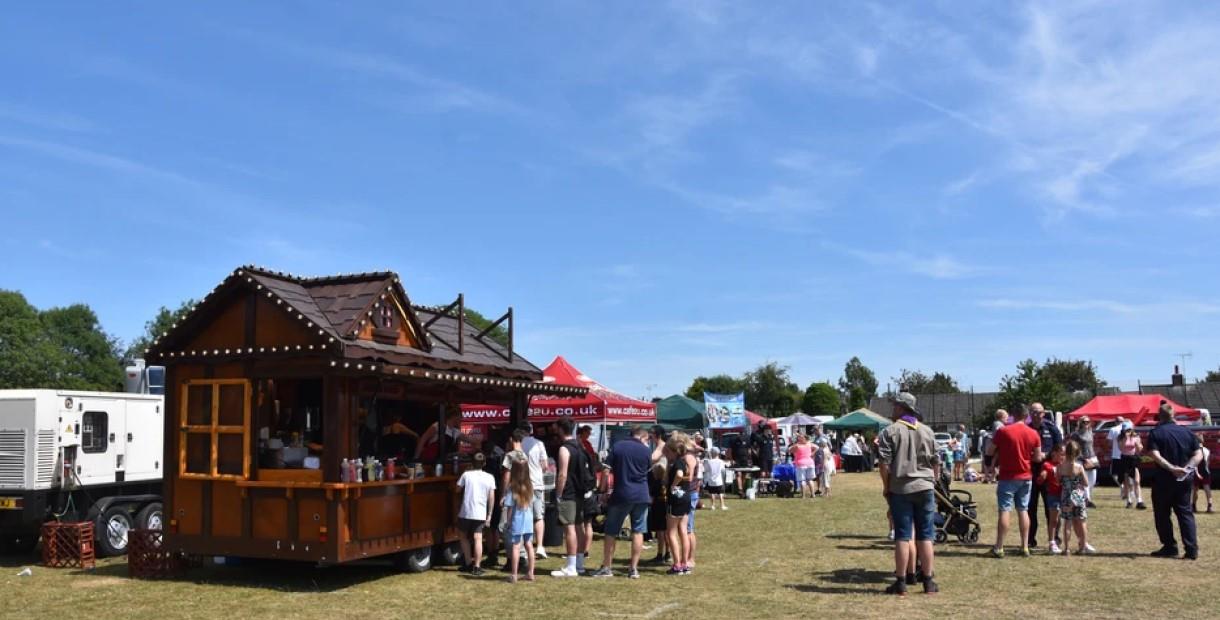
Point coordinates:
[[908, 464], [764, 449]]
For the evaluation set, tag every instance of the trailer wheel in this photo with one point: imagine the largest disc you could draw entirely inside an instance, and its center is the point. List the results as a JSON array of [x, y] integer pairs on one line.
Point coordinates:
[[150, 517], [111, 530], [414, 560], [22, 544], [448, 554]]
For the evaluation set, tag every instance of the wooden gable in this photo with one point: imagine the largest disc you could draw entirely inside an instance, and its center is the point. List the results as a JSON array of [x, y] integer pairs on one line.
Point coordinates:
[[389, 321], [225, 327]]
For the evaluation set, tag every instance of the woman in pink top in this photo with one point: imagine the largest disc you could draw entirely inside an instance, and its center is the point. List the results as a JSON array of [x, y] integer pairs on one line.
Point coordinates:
[[1129, 448], [802, 459]]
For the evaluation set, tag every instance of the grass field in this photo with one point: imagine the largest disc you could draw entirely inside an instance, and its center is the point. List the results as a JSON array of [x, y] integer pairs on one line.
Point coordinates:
[[766, 558]]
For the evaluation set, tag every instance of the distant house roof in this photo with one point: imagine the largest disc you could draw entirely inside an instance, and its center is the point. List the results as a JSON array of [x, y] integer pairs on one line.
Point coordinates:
[[1197, 395], [944, 409], [338, 307]]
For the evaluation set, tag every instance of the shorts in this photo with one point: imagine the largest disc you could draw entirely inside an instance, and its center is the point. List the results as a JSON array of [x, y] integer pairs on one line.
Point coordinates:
[[1203, 479], [538, 505], [617, 513], [959, 456], [571, 512], [470, 527], [1128, 466], [914, 513], [766, 465], [1053, 501], [694, 507], [1013, 492], [741, 460], [714, 490], [518, 539], [656, 517], [677, 507], [805, 474]]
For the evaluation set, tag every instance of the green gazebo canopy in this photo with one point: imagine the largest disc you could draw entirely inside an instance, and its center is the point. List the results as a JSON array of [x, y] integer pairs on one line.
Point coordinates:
[[858, 420], [681, 412]]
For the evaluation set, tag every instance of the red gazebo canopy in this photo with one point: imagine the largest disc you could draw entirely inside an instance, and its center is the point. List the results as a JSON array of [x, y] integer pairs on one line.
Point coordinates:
[[600, 405], [1139, 408]]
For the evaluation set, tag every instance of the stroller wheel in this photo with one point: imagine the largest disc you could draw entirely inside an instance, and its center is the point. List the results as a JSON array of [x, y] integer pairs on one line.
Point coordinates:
[[972, 536], [941, 537]]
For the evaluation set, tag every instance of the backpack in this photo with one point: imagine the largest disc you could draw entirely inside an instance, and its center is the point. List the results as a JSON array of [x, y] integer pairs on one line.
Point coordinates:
[[585, 479]]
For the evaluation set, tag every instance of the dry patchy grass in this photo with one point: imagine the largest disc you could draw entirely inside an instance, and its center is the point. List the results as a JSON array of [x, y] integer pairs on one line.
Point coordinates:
[[768, 558]]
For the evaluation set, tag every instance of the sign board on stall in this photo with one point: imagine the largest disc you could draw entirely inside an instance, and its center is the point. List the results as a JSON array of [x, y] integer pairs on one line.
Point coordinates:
[[725, 410]]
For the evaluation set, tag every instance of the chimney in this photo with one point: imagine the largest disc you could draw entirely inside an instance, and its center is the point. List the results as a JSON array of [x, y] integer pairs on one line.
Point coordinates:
[[1177, 379]]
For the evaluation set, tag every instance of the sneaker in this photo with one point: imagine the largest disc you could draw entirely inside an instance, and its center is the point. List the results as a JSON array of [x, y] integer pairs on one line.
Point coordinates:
[[477, 572], [1128, 504], [929, 585], [1140, 506], [1025, 552], [726, 508], [674, 570], [995, 553], [646, 546], [465, 568], [633, 573], [1055, 550], [602, 572], [688, 569], [1165, 552], [890, 536], [899, 587], [1087, 550], [540, 552], [564, 572]]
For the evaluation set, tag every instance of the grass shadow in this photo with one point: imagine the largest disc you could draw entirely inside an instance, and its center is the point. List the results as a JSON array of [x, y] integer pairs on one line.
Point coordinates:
[[280, 576], [856, 537], [816, 589]]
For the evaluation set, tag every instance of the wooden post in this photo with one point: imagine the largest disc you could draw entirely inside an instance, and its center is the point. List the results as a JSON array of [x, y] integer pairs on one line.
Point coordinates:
[[336, 425]]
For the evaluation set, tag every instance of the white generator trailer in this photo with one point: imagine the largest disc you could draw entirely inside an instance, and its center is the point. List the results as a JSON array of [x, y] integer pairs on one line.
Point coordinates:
[[80, 456]]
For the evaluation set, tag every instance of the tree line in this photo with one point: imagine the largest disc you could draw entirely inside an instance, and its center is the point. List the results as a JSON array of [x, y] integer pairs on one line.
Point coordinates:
[[1058, 384]]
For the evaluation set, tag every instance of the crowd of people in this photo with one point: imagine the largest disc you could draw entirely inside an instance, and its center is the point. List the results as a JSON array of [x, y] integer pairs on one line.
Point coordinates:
[[1030, 461], [652, 482]]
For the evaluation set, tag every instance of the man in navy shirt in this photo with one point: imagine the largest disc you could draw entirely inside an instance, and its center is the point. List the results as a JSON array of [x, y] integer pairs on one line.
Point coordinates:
[[1051, 437], [629, 462], [1177, 453]]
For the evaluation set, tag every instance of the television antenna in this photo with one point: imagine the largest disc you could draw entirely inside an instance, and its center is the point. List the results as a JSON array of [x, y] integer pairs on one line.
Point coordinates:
[[649, 388], [1184, 356]]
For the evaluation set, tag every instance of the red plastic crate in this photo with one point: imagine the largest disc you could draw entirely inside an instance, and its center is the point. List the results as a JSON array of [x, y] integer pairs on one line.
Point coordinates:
[[68, 545]]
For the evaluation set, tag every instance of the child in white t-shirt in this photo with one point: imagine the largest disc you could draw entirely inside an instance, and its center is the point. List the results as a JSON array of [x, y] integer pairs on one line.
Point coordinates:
[[478, 497], [713, 478]]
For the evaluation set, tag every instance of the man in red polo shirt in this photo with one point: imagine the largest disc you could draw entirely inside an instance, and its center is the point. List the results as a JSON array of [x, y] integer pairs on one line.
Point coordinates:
[[1014, 447]]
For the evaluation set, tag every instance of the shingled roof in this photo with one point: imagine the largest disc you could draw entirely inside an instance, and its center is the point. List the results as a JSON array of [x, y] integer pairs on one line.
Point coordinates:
[[338, 305], [1197, 395], [940, 410]]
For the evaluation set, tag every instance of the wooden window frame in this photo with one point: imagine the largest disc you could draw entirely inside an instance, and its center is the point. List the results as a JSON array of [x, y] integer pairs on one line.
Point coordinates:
[[214, 430]]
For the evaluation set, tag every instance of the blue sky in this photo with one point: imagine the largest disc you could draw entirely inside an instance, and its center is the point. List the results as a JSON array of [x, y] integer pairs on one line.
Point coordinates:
[[661, 190]]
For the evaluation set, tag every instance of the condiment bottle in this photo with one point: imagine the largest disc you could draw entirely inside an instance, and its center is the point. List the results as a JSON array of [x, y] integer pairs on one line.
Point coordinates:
[[343, 471]]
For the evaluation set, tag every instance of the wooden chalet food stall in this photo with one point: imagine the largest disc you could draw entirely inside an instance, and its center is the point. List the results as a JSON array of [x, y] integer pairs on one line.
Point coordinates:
[[274, 381]]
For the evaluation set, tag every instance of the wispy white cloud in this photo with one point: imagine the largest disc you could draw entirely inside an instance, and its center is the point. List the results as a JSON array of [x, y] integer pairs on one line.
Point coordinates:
[[1110, 306], [46, 119], [98, 159], [936, 266]]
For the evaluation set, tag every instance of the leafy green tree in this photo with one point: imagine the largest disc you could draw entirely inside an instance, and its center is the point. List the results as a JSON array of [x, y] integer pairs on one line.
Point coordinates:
[[159, 324], [1029, 384], [821, 399], [499, 334], [716, 384], [916, 382], [60, 348], [770, 391], [27, 355], [1073, 375], [89, 358], [858, 383], [1213, 376], [856, 398]]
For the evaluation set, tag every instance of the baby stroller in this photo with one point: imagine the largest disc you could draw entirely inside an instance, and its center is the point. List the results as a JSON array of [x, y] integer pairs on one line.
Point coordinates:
[[956, 513]]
